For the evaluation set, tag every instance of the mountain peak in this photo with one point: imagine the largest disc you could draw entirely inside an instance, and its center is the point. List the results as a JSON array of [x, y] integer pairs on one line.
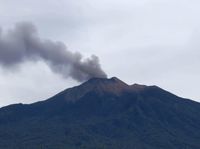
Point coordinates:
[[99, 85], [138, 87], [105, 80], [112, 85]]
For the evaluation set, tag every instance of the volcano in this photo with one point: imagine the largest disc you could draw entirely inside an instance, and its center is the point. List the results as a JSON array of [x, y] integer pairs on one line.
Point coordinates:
[[103, 114]]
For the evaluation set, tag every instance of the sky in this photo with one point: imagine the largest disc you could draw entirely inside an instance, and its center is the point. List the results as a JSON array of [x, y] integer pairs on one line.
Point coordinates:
[[152, 42]]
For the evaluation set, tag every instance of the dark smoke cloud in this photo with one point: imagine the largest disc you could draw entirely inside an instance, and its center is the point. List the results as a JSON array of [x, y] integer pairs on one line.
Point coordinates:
[[22, 44]]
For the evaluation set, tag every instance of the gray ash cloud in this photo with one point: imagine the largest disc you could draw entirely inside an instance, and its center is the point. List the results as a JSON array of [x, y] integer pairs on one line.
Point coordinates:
[[22, 43]]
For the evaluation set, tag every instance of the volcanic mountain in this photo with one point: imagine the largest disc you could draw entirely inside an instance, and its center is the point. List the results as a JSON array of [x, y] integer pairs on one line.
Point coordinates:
[[103, 114]]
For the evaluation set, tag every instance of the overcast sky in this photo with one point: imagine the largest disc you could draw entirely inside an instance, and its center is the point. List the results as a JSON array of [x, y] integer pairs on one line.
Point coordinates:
[[152, 42]]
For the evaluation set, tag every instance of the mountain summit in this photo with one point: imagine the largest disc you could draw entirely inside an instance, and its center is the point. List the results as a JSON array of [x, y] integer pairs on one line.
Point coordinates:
[[101, 86], [103, 114]]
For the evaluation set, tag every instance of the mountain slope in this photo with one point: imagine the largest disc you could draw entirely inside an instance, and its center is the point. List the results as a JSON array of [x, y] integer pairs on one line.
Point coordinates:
[[103, 114]]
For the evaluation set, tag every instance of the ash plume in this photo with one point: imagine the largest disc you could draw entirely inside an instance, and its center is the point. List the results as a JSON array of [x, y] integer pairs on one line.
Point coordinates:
[[22, 43]]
